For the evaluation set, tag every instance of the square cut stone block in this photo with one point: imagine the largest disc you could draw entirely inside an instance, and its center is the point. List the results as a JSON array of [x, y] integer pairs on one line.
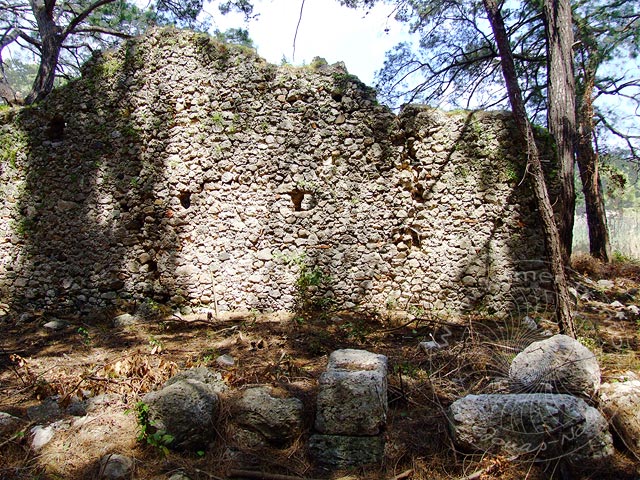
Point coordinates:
[[352, 359], [343, 452], [352, 401]]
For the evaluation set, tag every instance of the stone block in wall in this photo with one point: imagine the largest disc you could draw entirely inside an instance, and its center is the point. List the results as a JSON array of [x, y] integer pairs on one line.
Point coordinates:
[[352, 397], [342, 452]]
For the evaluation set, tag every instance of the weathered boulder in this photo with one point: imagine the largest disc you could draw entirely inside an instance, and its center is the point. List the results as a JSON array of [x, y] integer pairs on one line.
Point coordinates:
[[115, 467], [200, 374], [346, 451], [266, 419], [559, 364], [186, 410], [9, 424], [545, 425], [126, 320], [352, 397], [620, 402]]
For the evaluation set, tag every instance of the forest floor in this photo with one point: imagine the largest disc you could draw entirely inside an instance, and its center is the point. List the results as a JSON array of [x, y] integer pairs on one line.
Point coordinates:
[[44, 371]]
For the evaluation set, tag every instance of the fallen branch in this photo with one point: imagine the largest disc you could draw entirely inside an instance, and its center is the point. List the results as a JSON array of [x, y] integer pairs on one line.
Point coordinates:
[[478, 473], [263, 475], [204, 321], [18, 435], [403, 475]]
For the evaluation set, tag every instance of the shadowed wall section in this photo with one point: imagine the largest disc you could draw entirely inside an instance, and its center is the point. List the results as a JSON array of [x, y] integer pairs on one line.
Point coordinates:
[[182, 170]]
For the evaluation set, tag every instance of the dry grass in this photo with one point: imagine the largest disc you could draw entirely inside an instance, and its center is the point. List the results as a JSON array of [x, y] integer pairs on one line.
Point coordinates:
[[290, 355], [620, 268]]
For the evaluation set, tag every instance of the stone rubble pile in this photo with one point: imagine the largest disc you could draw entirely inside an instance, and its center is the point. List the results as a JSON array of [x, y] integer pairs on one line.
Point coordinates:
[[351, 414], [548, 425]]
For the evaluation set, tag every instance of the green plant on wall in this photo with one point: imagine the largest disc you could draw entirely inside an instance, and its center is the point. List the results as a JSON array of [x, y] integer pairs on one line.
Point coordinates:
[[12, 142], [110, 67], [22, 227], [310, 277], [216, 118]]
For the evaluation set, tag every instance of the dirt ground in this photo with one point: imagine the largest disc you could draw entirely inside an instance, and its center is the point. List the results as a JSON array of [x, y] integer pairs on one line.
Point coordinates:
[[45, 373]]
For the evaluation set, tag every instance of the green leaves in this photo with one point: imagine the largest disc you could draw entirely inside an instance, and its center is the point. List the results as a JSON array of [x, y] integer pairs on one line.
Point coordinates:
[[147, 429]]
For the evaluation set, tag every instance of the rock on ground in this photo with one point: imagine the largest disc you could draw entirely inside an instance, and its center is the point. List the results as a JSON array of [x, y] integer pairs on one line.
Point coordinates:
[[544, 425], [186, 410], [126, 320], [41, 435], [46, 411], [115, 467], [620, 402], [558, 364], [272, 420], [200, 374], [9, 424]]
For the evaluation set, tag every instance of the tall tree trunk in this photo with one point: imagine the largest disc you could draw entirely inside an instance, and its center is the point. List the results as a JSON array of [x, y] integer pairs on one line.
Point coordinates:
[[561, 109], [51, 44], [552, 237], [599, 244]]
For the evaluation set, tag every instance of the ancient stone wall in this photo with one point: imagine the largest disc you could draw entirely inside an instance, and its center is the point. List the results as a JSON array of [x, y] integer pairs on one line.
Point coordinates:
[[182, 170]]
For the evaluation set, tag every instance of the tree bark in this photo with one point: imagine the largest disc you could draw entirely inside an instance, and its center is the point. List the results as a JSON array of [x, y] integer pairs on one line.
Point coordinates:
[[51, 44], [599, 244], [52, 37], [552, 238], [561, 109]]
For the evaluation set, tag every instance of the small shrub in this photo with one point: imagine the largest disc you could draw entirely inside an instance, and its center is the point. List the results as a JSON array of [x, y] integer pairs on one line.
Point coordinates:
[[587, 265], [310, 279], [356, 330], [84, 335], [148, 431]]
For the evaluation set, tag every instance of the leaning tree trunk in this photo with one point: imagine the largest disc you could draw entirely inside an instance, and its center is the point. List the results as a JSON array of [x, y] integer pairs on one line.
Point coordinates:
[[561, 110], [599, 244], [45, 78], [51, 38], [552, 238]]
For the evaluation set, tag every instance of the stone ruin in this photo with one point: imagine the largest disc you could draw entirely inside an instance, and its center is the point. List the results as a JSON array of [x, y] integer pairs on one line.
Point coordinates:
[[182, 171]]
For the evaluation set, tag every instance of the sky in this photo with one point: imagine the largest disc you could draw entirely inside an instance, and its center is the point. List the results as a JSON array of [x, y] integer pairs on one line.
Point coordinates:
[[326, 30]]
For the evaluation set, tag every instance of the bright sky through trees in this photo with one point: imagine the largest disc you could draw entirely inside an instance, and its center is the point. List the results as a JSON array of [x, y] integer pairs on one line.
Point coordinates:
[[326, 30], [358, 38]]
